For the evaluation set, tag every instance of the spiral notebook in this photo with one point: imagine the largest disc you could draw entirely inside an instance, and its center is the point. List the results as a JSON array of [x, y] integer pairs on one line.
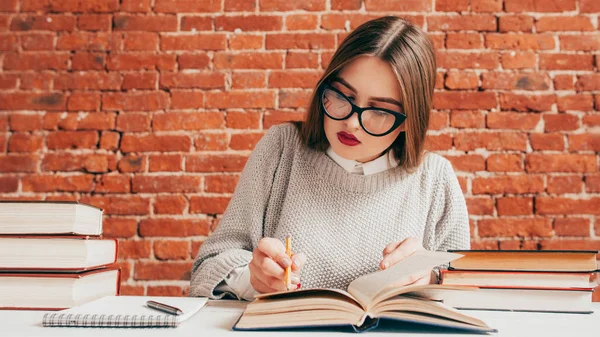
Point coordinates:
[[125, 312]]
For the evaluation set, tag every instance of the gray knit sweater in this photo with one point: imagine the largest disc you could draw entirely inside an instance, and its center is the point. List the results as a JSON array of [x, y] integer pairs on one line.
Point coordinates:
[[341, 221]]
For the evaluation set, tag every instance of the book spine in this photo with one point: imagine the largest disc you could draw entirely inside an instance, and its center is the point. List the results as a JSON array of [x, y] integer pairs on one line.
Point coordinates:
[[97, 320]]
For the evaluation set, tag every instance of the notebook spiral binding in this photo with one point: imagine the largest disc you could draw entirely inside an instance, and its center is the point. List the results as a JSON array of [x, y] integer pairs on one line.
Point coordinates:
[[129, 321]]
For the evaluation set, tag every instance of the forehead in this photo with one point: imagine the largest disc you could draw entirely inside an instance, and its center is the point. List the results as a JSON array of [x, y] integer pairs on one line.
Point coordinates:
[[371, 77]]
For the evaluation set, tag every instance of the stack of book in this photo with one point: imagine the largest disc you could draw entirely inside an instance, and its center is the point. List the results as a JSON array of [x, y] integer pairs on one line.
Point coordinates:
[[552, 281], [52, 255]]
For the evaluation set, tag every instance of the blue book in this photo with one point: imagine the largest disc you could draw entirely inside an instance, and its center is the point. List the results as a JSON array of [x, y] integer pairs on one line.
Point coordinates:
[[379, 300]]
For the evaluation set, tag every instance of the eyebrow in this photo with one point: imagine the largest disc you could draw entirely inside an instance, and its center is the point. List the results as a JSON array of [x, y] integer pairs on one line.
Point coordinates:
[[379, 99]]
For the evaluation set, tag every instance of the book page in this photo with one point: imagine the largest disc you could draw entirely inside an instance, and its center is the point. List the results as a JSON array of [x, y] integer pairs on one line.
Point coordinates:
[[367, 287]]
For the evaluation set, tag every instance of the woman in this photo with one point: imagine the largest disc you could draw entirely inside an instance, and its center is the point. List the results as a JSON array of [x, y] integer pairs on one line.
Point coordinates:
[[352, 184]]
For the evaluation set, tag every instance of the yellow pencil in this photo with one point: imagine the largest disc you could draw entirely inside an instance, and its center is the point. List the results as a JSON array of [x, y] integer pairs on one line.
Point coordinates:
[[288, 252]]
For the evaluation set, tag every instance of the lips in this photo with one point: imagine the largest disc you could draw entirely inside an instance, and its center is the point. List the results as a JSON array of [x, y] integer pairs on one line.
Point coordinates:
[[347, 138]]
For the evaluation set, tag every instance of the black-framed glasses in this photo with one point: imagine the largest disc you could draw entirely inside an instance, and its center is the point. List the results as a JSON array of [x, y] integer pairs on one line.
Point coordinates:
[[375, 121]]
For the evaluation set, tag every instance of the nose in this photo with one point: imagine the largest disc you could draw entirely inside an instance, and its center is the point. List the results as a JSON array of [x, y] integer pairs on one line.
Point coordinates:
[[352, 123]]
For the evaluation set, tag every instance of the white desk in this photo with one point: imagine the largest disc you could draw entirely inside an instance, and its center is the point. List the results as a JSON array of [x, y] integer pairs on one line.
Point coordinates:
[[217, 318]]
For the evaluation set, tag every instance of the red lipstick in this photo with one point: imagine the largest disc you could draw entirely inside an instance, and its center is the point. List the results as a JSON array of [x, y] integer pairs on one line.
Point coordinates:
[[347, 138]]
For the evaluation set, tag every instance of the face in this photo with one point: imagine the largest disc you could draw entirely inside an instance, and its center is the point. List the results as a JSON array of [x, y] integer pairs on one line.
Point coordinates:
[[368, 82]]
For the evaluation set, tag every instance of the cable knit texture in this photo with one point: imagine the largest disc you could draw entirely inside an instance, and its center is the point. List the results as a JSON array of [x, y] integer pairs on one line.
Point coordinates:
[[341, 221]]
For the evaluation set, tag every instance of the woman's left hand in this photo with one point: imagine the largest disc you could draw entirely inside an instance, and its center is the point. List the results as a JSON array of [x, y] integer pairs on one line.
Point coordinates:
[[397, 251]]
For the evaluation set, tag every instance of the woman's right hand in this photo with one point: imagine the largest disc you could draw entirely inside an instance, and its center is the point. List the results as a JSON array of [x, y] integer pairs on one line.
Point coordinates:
[[267, 268]]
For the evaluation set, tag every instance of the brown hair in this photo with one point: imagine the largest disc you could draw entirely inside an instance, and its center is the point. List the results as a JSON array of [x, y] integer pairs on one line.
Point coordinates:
[[411, 55]]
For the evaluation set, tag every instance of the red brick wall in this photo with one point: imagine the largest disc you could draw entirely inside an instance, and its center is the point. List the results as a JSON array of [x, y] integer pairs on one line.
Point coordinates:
[[149, 109]]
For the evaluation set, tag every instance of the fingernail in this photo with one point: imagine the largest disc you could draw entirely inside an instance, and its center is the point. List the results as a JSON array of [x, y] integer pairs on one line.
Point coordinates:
[[295, 279], [385, 265], [286, 262], [298, 286]]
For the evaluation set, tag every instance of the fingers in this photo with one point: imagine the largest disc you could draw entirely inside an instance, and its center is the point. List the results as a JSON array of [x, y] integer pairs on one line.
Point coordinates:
[[298, 261], [390, 248], [274, 249], [404, 249]]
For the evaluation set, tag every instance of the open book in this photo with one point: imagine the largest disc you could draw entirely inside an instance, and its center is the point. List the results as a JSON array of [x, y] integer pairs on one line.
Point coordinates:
[[379, 295]]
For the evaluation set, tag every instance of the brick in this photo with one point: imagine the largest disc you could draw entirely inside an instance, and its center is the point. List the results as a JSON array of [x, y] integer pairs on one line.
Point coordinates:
[[584, 142], [36, 61], [504, 163], [187, 99], [451, 5], [563, 82], [18, 163], [578, 102], [592, 183], [162, 270], [560, 122], [461, 80], [109, 140], [141, 80], [220, 183], [165, 163], [83, 101], [195, 248], [477, 22], [135, 101], [536, 162], [214, 41], [32, 101], [24, 142], [113, 184], [240, 99], [467, 119], [72, 140], [467, 163], [88, 61], [566, 62], [133, 122], [247, 119], [60, 121], [515, 23], [283, 6], [293, 79], [518, 60], [585, 244], [486, 5], [468, 141], [580, 42], [547, 141], [480, 206], [244, 141], [158, 290], [168, 227], [131, 290], [518, 102], [539, 6], [208, 205], [591, 120], [464, 100], [240, 5], [438, 142], [216, 163], [211, 141], [519, 184], [520, 41], [196, 23], [193, 61], [89, 41], [88, 80], [462, 60], [248, 79], [152, 142], [518, 81], [338, 5], [206, 80], [169, 204], [136, 6], [588, 82], [564, 184], [512, 120], [132, 163], [485, 245], [9, 6], [19, 122], [300, 41], [507, 227], [589, 6], [143, 61], [77, 162], [248, 60], [158, 184], [249, 23], [33, 41], [187, 6], [171, 250], [119, 205], [572, 227], [464, 41], [301, 22], [130, 249], [137, 41], [274, 117], [559, 205], [8, 81], [246, 41], [9, 184], [158, 23], [438, 121], [37, 81], [568, 23], [514, 206], [43, 22], [188, 121], [94, 22], [301, 60]]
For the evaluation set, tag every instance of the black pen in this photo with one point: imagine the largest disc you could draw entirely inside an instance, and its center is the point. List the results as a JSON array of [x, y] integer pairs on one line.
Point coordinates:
[[164, 308]]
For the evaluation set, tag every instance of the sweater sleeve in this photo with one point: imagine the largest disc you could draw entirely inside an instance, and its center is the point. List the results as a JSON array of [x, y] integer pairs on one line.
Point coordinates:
[[241, 227]]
